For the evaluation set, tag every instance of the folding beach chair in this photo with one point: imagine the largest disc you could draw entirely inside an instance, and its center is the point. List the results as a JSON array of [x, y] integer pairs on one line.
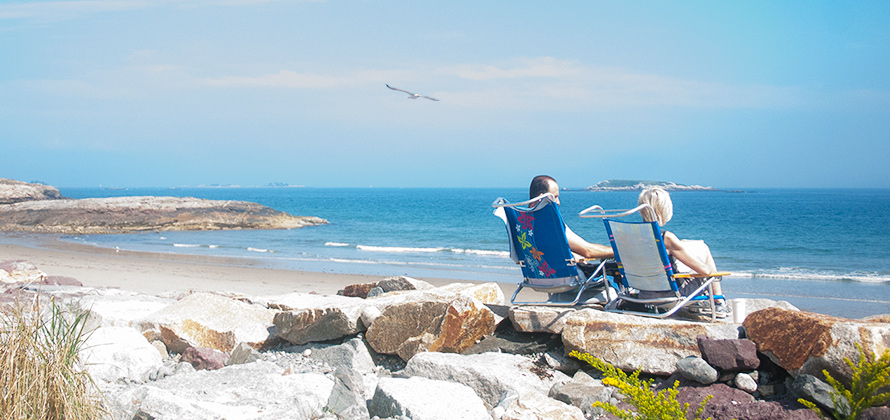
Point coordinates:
[[539, 245], [648, 278]]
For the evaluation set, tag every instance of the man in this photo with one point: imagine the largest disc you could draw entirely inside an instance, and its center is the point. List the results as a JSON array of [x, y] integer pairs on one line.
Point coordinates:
[[543, 184]]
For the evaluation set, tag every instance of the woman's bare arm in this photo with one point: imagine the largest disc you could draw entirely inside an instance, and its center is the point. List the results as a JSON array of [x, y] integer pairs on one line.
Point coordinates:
[[675, 248]]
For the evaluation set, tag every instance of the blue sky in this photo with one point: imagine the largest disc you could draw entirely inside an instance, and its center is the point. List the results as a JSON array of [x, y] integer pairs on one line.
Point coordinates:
[[133, 93]]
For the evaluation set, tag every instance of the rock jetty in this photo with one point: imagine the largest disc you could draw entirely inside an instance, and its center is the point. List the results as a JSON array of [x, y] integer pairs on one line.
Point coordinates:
[[401, 348], [41, 209]]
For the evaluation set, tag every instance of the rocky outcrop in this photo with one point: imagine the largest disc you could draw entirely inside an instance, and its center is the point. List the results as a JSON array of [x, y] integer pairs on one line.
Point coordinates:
[[807, 343], [138, 214], [12, 191]]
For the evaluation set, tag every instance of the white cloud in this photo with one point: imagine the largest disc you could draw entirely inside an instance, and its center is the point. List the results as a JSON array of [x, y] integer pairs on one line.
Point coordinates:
[[62, 10], [284, 78], [546, 67]]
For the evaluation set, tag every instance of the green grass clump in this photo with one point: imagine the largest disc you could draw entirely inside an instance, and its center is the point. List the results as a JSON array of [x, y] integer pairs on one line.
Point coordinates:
[[40, 372], [650, 405], [869, 376]]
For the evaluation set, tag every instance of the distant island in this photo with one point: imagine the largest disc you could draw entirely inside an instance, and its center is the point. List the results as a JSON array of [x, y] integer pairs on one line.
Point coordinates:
[[38, 208], [639, 185]]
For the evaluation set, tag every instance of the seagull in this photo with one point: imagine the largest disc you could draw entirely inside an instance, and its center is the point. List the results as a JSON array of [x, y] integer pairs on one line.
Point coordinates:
[[412, 95]]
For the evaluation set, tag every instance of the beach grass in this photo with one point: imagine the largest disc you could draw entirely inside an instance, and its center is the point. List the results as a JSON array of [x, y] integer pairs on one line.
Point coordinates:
[[41, 376]]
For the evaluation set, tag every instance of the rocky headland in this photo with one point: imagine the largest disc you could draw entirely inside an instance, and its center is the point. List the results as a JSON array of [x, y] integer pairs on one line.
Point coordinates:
[[638, 185], [12, 191], [41, 209], [401, 348]]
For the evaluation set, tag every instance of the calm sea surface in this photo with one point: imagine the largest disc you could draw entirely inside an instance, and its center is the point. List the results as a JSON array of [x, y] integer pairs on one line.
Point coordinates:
[[812, 244]]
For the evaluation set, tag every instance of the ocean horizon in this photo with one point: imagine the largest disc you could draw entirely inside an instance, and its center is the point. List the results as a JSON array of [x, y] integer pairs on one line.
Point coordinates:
[[810, 243]]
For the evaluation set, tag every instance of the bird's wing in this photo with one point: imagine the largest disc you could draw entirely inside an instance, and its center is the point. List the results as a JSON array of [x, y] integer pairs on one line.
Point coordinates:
[[432, 99], [400, 90]]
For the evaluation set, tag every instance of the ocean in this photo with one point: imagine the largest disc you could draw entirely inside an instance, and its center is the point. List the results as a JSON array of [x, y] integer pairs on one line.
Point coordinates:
[[822, 249]]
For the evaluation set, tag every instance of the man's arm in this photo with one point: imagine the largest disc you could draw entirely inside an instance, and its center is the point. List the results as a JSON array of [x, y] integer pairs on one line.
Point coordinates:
[[586, 249]]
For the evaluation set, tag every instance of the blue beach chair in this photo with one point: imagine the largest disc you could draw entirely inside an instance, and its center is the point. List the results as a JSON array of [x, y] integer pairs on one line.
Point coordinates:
[[539, 245], [647, 275]]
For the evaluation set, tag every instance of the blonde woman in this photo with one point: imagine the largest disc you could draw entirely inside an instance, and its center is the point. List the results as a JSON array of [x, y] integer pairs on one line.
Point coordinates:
[[690, 255]]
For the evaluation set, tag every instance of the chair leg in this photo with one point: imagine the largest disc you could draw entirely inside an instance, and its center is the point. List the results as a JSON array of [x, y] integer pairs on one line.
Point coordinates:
[[711, 302], [516, 293]]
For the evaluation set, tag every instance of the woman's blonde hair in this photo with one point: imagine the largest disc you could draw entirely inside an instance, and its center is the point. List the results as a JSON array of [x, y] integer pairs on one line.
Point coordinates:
[[660, 201]]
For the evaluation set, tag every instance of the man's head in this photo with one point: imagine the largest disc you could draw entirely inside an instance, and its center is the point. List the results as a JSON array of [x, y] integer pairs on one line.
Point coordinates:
[[543, 184]]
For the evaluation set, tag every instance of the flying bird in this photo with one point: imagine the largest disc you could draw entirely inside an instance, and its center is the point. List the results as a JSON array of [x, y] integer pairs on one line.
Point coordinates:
[[412, 95]]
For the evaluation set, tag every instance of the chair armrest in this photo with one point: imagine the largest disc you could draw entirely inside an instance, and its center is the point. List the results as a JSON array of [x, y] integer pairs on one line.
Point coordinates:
[[696, 275]]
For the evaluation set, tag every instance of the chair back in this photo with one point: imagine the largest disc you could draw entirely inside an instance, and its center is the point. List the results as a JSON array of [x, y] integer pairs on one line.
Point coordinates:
[[641, 255], [538, 242]]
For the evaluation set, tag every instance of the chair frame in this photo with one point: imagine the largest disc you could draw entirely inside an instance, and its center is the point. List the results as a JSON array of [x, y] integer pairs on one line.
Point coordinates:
[[578, 280], [671, 304]]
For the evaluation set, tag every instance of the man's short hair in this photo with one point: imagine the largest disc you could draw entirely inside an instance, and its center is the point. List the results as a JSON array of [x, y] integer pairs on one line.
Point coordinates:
[[540, 185]]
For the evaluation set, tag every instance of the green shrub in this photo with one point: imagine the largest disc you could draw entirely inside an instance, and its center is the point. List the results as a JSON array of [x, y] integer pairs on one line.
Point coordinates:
[[40, 372], [868, 378], [650, 405]]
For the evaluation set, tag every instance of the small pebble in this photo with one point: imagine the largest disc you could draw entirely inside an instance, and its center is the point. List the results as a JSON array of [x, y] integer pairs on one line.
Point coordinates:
[[307, 352]]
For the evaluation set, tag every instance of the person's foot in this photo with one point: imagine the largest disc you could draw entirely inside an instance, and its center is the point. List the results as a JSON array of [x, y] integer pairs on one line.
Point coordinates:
[[704, 308], [722, 309]]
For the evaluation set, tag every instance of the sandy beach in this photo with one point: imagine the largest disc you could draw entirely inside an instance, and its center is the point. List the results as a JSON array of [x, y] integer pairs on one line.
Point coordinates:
[[156, 273]]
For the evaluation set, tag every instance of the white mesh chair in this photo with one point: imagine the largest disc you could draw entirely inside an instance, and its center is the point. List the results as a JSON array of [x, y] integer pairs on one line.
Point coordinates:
[[647, 275]]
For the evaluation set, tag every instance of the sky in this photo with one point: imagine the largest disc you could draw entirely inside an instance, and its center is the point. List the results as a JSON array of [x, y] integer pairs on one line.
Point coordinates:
[[730, 94]]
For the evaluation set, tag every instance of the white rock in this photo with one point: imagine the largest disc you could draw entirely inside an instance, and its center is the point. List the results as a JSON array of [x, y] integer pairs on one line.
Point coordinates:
[[425, 399], [489, 374], [112, 353], [534, 406], [745, 382], [120, 308], [249, 391]]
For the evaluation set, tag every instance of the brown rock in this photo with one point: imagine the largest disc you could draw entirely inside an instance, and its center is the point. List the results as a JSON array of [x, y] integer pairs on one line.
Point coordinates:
[[729, 355], [547, 319], [807, 343], [62, 281], [209, 320], [358, 290], [306, 317], [447, 324], [20, 271], [729, 403], [203, 358], [632, 342]]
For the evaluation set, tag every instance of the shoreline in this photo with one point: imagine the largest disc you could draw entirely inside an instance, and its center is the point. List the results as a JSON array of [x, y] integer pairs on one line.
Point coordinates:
[[156, 273]]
